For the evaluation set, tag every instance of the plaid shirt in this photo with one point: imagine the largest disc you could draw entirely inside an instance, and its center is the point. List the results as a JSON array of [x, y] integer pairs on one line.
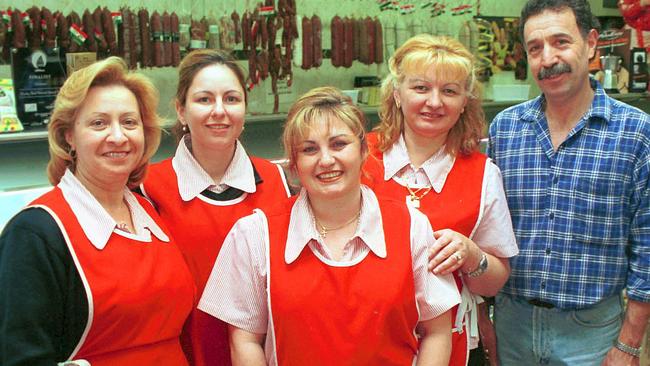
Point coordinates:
[[581, 214]]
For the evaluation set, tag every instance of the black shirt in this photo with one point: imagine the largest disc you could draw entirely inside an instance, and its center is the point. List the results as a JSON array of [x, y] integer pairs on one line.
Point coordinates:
[[43, 304]]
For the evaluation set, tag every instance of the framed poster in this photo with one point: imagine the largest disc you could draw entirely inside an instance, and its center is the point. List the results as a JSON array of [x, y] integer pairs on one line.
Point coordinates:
[[38, 75]]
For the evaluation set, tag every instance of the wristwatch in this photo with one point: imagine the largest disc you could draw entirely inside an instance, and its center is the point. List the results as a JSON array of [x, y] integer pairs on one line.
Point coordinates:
[[632, 351], [482, 267]]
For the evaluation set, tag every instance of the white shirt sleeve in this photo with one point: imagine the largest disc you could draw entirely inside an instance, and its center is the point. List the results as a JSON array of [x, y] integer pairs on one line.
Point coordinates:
[[435, 294], [236, 289], [494, 233]]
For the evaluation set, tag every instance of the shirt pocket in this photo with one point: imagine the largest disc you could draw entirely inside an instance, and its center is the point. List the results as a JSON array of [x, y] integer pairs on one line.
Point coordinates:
[[599, 210]]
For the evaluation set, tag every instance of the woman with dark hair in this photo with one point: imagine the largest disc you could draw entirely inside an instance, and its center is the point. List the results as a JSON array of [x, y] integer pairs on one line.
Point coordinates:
[[210, 182], [88, 271]]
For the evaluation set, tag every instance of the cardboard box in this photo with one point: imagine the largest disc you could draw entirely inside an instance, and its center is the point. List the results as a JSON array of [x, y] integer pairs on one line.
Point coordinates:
[[79, 60]]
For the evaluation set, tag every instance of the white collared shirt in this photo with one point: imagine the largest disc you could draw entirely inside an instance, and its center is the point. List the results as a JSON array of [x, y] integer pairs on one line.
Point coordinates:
[[193, 179], [236, 291], [95, 221], [493, 232]]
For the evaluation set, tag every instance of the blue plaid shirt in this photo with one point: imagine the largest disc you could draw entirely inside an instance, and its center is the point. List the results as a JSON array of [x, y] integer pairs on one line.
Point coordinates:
[[581, 214]]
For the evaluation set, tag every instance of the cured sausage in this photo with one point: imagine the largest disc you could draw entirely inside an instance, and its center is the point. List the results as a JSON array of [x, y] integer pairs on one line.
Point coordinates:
[[62, 30], [362, 42], [48, 28], [235, 22], [176, 49], [317, 41], [167, 39], [109, 31], [34, 39], [89, 28], [246, 31], [370, 40], [145, 37], [19, 39], [98, 31], [337, 35], [213, 33], [379, 42], [348, 44], [157, 38], [307, 44]]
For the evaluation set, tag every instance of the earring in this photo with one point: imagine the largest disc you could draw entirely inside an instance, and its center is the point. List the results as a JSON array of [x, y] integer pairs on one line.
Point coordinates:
[[185, 129], [73, 154]]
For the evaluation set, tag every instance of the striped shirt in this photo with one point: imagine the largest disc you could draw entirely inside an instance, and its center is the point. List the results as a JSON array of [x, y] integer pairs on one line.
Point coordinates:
[[581, 214], [193, 179], [236, 291]]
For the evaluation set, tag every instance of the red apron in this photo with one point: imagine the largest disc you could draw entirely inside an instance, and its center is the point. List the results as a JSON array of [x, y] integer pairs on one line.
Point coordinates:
[[456, 207], [139, 293], [364, 314], [199, 228]]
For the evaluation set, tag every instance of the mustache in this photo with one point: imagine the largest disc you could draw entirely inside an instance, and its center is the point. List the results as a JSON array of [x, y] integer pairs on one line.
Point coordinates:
[[556, 69]]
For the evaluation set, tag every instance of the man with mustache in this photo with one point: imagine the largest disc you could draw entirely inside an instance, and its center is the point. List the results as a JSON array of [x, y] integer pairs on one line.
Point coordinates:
[[576, 166]]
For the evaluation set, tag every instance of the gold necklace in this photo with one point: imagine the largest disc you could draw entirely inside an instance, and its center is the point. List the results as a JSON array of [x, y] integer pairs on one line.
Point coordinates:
[[322, 230], [413, 195]]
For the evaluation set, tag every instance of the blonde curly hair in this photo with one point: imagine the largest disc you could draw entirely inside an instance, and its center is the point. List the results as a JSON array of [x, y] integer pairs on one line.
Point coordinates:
[[450, 58]]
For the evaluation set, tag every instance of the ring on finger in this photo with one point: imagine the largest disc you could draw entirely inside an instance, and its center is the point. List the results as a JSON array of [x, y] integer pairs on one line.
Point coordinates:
[[458, 257]]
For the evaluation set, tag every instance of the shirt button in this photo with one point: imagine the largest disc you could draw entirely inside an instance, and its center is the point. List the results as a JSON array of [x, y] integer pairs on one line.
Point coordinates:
[[548, 250], [551, 216], [555, 180], [543, 285]]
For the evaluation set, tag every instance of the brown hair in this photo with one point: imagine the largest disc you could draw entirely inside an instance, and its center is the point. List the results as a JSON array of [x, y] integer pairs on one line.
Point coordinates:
[[191, 65], [111, 71], [323, 103], [450, 57]]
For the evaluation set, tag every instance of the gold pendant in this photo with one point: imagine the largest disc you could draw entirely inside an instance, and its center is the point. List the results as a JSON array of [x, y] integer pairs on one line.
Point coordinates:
[[412, 201]]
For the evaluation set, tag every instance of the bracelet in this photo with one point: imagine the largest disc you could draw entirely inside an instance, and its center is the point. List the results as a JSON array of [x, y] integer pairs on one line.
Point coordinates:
[[632, 351]]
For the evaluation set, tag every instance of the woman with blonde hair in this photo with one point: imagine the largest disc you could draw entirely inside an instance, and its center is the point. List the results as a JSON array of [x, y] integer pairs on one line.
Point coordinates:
[[210, 182], [425, 152], [333, 276], [89, 274]]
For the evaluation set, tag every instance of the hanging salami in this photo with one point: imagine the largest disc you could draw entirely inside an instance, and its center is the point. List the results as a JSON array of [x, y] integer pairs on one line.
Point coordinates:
[[98, 31], [34, 28], [63, 35], [348, 44], [89, 28], [379, 42], [337, 35], [19, 37], [176, 49], [317, 41], [109, 31], [48, 28], [307, 44], [145, 38], [167, 39]]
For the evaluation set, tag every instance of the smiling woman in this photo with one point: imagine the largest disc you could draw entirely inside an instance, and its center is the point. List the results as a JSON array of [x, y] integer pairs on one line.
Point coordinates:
[[88, 271], [210, 182], [425, 151], [325, 279]]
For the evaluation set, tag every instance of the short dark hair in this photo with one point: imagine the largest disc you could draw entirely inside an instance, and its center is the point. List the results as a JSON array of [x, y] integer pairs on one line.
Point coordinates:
[[581, 10]]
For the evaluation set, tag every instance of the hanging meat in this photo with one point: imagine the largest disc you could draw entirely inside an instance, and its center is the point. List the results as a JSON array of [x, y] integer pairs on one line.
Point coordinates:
[[307, 44], [176, 49], [167, 39], [109, 32], [145, 38], [317, 36], [48, 28], [157, 37], [98, 31], [337, 35], [89, 28], [62, 30]]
